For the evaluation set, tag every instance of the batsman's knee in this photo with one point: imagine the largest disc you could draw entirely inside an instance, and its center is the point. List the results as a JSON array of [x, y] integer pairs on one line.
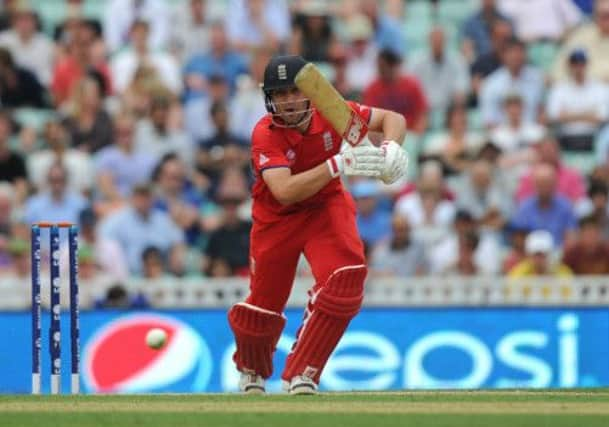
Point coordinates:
[[251, 320], [343, 292]]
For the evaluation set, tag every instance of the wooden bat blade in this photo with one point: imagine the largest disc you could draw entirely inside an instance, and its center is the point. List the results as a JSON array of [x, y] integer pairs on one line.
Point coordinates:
[[331, 105]]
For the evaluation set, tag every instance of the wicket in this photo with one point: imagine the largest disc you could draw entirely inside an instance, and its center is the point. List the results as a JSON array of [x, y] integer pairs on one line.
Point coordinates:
[[55, 308]]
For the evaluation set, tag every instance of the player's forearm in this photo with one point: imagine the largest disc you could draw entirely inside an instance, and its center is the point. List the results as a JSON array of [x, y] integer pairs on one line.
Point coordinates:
[[393, 126], [303, 185]]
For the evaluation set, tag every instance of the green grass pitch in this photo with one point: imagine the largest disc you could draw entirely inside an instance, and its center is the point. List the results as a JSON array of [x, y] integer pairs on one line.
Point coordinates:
[[514, 408]]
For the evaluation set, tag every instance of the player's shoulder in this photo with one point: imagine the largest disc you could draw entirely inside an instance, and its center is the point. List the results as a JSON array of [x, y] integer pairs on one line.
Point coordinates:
[[263, 127], [264, 131]]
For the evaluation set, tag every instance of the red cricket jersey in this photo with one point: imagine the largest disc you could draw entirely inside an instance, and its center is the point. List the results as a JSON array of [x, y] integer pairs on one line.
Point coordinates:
[[274, 147]]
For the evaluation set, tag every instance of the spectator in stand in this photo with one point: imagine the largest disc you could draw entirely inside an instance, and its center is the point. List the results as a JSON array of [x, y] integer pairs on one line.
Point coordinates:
[[477, 30], [484, 196], [125, 64], [570, 182], [463, 249], [175, 194], [190, 28], [465, 263], [18, 86], [514, 75], [429, 214], [145, 86], [80, 60], [153, 265], [7, 205], [256, 23], [58, 202], [139, 225], [312, 33], [161, 132], [443, 74], [589, 254], [547, 209], [118, 297], [596, 205], [539, 246], [487, 62], [396, 92], [455, 146], [106, 255], [227, 252], [541, 20], [76, 11], [88, 270], [223, 149], [20, 259], [516, 252], [516, 135], [197, 115], [57, 149], [591, 37], [12, 164], [7, 217], [388, 33], [516, 138], [246, 108], [30, 48], [339, 60], [399, 255], [578, 106], [119, 16], [362, 54], [119, 167], [89, 125], [9, 8], [373, 221], [218, 60]]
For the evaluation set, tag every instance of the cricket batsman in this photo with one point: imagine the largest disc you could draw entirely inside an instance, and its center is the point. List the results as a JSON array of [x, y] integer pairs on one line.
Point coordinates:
[[301, 206]]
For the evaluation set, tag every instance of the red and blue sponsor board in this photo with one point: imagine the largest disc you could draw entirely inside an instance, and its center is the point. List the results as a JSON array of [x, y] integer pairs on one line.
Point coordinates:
[[383, 349]]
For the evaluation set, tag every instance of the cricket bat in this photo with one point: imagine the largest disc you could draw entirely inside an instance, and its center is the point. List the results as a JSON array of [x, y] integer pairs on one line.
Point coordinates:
[[331, 104]]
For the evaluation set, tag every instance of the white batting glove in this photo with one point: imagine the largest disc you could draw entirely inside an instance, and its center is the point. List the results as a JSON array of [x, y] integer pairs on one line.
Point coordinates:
[[396, 162], [359, 160]]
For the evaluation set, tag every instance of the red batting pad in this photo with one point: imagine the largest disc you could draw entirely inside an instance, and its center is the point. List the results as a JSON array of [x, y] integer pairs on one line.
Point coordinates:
[[335, 304], [256, 333]]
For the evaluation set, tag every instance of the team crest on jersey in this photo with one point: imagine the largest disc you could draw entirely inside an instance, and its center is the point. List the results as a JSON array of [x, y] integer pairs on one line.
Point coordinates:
[[328, 143], [291, 156]]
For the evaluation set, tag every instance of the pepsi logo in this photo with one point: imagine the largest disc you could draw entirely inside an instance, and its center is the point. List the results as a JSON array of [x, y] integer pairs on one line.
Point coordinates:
[[117, 359]]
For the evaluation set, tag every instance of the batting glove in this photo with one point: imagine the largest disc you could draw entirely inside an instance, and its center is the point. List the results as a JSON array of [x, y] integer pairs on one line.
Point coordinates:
[[396, 162], [359, 160]]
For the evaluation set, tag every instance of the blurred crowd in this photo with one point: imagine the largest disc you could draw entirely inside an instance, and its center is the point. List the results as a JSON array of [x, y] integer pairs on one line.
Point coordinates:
[[132, 118]]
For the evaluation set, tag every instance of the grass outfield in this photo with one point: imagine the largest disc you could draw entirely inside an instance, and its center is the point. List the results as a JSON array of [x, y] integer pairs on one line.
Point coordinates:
[[572, 408]]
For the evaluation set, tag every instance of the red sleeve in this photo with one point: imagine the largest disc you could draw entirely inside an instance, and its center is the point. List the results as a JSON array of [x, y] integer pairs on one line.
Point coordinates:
[[364, 111], [266, 151]]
